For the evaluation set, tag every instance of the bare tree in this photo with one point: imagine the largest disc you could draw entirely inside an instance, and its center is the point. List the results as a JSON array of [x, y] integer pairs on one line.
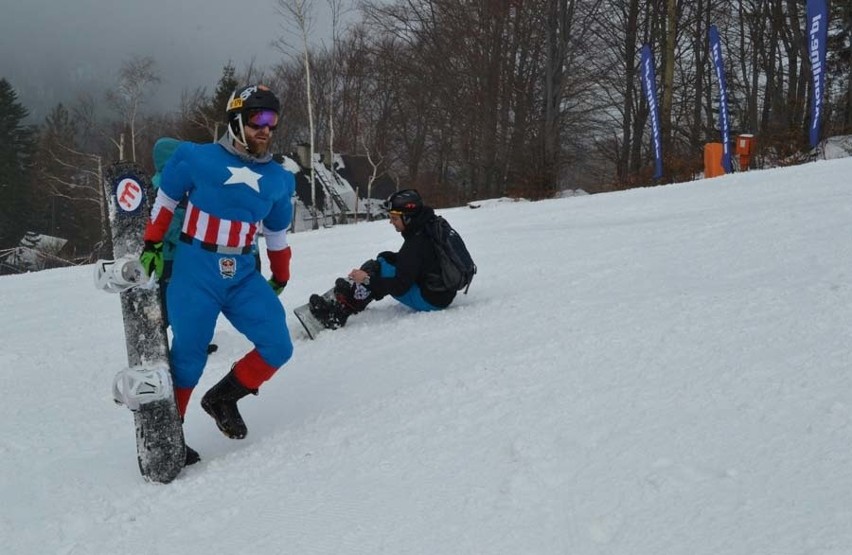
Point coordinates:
[[136, 78], [840, 43], [196, 106], [298, 16], [337, 11], [669, 48], [375, 160], [70, 181], [620, 27]]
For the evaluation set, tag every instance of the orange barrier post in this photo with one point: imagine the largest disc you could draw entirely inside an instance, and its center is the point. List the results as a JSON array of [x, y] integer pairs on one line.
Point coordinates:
[[713, 160], [745, 148]]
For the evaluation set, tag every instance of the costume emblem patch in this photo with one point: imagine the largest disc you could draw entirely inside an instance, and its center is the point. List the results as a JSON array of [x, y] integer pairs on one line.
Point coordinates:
[[227, 267]]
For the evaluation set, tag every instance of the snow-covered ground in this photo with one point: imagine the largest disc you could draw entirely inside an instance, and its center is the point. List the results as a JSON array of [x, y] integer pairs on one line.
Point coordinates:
[[662, 371]]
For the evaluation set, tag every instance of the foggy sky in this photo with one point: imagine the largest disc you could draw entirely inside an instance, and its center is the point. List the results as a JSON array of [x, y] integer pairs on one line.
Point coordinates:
[[51, 50]]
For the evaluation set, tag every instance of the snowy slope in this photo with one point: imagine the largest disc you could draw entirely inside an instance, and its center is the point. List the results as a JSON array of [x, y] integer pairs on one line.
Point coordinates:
[[658, 371]]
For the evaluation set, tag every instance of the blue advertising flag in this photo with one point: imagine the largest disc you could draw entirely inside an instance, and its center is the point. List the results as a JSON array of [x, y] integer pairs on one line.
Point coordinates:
[[724, 122], [649, 81], [817, 37]]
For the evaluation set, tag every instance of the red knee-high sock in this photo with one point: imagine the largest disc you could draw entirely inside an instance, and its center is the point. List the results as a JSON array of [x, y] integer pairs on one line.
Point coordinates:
[[182, 395], [252, 370]]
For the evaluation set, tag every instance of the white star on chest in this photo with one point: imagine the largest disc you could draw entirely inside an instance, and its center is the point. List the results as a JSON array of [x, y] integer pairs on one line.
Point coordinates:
[[245, 176]]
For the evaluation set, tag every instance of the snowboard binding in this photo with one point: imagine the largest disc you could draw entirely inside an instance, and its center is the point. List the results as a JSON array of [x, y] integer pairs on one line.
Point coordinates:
[[134, 387], [121, 274]]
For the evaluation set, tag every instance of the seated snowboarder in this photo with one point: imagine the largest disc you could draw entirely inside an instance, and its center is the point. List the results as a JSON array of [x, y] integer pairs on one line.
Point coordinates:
[[402, 275]]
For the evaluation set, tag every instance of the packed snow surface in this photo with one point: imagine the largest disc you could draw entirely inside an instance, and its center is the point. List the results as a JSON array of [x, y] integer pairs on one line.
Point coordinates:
[[661, 371]]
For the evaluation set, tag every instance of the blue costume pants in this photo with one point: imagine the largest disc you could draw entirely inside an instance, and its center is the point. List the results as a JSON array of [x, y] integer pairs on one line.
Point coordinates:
[[205, 284]]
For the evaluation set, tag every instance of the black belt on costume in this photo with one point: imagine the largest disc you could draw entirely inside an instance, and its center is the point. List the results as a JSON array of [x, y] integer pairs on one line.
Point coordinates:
[[213, 247]]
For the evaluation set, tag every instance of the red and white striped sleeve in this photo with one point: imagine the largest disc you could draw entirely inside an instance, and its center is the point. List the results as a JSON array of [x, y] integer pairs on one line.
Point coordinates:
[[161, 216]]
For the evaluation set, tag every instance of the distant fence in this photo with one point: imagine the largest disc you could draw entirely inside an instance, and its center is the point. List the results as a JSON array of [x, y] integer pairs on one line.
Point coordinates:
[[20, 260]]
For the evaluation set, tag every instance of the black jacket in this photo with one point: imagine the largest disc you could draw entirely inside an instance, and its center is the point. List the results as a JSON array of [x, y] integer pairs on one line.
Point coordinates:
[[415, 259]]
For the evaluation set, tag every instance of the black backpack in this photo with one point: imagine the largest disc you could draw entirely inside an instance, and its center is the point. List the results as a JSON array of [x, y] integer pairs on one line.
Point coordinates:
[[457, 266]]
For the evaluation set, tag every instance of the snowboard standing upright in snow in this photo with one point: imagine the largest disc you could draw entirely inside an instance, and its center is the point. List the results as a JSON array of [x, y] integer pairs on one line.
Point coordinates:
[[145, 386]]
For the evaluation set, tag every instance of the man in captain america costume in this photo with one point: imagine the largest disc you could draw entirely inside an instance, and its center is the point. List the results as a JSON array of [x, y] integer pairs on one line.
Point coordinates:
[[231, 188]]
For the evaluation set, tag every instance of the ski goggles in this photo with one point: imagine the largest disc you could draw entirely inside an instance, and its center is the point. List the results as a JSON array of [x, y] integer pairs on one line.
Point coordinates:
[[403, 202], [263, 118]]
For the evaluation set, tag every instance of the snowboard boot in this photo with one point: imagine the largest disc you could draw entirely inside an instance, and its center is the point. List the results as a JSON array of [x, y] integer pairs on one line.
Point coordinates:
[[332, 314], [220, 402], [354, 296]]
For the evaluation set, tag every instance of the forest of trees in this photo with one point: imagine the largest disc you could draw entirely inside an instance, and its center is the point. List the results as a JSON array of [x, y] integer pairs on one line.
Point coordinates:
[[464, 99]]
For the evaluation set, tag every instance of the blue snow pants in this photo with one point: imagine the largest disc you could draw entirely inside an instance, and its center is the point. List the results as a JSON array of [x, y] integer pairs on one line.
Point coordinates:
[[413, 298]]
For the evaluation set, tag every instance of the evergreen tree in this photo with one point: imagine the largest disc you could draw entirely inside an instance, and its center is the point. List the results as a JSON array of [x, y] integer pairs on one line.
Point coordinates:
[[227, 85], [17, 147], [206, 115]]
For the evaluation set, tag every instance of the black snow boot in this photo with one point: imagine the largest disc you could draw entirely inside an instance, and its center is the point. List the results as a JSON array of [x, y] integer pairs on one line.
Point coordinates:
[[221, 403], [192, 456]]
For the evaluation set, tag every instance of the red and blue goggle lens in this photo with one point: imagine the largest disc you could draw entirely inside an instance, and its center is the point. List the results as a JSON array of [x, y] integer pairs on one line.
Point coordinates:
[[263, 118]]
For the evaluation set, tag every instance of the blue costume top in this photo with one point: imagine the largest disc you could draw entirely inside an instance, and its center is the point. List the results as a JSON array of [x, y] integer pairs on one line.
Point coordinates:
[[228, 195], [230, 187]]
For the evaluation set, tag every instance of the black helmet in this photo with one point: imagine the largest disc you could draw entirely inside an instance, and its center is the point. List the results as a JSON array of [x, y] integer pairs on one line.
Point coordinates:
[[407, 201], [252, 97], [245, 100]]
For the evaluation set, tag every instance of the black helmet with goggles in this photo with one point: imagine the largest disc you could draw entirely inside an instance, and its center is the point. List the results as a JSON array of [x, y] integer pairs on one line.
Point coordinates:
[[405, 203], [253, 106]]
